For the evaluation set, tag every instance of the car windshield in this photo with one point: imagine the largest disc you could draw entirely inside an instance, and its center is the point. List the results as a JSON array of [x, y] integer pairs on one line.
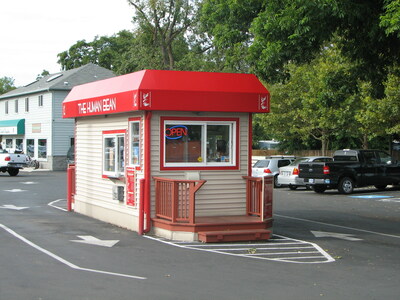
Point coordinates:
[[299, 160], [262, 163]]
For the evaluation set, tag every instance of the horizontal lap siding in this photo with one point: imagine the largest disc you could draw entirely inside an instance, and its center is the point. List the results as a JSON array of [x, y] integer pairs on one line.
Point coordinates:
[[90, 186], [225, 191]]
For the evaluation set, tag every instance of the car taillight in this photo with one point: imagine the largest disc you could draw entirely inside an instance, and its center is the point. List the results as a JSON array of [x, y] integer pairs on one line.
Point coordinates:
[[8, 158], [295, 171], [268, 171], [326, 170]]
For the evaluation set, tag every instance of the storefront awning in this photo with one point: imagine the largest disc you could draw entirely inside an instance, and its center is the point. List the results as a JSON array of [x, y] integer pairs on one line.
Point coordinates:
[[12, 127], [168, 91]]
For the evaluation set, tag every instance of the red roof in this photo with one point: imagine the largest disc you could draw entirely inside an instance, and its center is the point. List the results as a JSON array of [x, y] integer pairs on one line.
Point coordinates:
[[168, 90]]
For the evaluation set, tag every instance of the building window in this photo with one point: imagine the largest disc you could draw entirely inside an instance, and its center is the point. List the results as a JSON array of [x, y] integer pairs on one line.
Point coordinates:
[[16, 106], [113, 153], [40, 101], [199, 143], [26, 104], [9, 143], [30, 147], [134, 128], [6, 107], [42, 148], [19, 144]]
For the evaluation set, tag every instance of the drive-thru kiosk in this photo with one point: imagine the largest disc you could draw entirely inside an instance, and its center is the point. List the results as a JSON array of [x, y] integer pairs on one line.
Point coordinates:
[[170, 152]]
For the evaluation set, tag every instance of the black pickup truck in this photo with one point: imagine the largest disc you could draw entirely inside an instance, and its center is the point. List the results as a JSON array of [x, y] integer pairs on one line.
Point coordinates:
[[350, 169]]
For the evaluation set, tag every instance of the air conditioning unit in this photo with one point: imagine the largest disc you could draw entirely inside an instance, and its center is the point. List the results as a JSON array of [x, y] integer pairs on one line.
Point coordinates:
[[118, 192]]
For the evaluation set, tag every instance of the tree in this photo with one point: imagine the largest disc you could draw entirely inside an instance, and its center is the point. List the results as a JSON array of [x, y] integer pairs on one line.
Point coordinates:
[[275, 33], [41, 75], [167, 22], [318, 101], [228, 24], [6, 84], [104, 51]]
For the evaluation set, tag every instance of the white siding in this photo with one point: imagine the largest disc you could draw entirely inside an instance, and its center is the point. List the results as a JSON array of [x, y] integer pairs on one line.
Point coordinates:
[[93, 193], [224, 193]]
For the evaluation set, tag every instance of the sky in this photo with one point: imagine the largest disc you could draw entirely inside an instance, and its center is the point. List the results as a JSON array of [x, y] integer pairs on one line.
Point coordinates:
[[33, 32]]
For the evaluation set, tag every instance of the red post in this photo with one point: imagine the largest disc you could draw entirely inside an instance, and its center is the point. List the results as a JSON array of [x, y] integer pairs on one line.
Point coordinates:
[[141, 207], [70, 186]]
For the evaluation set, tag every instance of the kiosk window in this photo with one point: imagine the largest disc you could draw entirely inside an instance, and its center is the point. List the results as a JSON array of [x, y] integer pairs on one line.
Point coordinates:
[[113, 153], [135, 143], [199, 143]]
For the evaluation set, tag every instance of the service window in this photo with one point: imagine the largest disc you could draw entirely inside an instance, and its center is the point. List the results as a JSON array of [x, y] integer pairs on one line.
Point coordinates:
[[199, 143], [135, 147], [113, 153]]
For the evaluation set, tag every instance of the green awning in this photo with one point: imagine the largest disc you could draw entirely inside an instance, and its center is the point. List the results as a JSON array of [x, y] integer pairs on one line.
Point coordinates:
[[12, 127]]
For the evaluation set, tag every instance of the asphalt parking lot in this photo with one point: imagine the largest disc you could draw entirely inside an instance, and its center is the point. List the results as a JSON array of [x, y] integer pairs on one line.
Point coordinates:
[[327, 246]]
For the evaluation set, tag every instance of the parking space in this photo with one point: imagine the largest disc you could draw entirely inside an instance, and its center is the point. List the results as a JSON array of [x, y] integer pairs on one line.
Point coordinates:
[[279, 248], [320, 243]]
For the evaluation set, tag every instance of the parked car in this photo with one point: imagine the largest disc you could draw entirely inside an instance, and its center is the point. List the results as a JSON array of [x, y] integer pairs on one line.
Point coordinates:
[[289, 175], [351, 169], [12, 162], [269, 167]]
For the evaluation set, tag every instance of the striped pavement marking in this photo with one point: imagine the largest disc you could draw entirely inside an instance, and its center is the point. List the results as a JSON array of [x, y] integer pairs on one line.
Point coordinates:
[[279, 248]]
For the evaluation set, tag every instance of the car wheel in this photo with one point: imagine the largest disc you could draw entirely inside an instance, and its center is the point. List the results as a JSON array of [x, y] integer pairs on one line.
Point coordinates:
[[276, 183], [13, 172], [381, 186], [319, 188], [292, 187], [346, 185]]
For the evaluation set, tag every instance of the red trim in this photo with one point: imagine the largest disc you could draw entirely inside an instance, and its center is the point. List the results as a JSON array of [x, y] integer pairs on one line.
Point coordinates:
[[199, 119], [113, 131], [162, 90], [250, 141], [147, 169], [133, 119]]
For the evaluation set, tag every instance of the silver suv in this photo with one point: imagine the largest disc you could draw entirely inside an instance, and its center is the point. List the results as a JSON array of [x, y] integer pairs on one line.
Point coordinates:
[[270, 166]]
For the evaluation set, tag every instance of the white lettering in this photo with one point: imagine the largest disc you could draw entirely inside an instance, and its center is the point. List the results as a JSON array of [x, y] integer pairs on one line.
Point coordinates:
[[108, 104]]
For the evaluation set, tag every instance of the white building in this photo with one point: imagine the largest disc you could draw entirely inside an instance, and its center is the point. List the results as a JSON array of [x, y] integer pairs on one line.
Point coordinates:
[[31, 116]]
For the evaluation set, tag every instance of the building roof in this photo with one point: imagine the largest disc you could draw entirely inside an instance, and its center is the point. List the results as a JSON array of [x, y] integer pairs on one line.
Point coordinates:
[[64, 80], [168, 90]]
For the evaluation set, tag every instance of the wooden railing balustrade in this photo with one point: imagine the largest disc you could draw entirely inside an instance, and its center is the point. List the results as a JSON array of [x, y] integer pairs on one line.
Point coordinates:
[[259, 196], [175, 199]]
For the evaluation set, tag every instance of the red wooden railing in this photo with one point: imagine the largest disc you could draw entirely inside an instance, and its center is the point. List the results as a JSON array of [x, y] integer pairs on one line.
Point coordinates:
[[175, 199], [259, 196]]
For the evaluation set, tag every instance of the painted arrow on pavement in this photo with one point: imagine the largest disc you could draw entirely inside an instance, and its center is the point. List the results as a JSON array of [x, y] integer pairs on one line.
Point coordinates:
[[91, 240], [10, 206], [343, 236]]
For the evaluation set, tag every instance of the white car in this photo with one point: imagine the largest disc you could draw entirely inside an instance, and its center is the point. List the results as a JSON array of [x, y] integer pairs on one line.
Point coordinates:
[[269, 167], [289, 175]]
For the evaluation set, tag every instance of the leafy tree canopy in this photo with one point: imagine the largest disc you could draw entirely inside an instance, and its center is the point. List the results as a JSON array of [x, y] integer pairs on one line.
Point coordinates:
[[6, 84]]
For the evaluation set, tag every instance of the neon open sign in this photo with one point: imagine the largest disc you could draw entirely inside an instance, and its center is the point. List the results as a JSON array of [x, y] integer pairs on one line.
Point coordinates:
[[176, 132]]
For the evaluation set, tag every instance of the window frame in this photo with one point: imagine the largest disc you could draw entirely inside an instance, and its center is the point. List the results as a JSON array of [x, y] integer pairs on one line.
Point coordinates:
[[46, 149], [234, 134], [40, 101], [114, 134], [27, 104], [132, 121]]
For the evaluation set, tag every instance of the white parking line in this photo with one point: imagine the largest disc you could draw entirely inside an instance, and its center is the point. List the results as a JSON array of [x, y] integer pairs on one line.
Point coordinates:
[[52, 204], [275, 249], [339, 226], [62, 260]]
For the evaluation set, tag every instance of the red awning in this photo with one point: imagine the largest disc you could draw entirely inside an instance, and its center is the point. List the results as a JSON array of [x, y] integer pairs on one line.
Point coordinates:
[[169, 91]]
